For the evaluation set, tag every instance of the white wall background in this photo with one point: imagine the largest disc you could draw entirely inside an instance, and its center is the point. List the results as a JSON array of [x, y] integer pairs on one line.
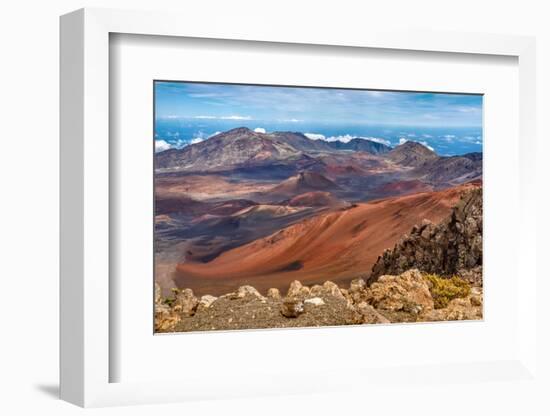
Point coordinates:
[[29, 56]]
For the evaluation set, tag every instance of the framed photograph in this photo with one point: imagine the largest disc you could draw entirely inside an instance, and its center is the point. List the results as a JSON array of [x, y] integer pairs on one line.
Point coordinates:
[[232, 205], [341, 207]]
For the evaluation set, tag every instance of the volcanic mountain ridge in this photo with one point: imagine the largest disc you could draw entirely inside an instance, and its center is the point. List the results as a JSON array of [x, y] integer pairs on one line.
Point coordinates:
[[242, 146]]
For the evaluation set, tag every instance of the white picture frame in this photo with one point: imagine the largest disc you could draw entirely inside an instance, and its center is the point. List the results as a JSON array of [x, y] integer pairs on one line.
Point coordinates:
[[85, 211]]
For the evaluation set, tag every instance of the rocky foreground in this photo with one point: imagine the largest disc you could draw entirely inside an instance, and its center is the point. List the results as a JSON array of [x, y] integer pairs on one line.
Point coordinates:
[[411, 296]]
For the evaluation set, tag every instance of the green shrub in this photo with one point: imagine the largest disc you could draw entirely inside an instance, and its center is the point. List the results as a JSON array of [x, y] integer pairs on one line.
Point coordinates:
[[444, 290]]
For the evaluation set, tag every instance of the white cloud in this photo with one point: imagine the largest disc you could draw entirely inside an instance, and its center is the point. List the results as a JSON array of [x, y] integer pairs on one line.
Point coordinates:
[[377, 140], [402, 140], [259, 130], [346, 138], [236, 118], [203, 95], [448, 137], [468, 109], [315, 136], [427, 136], [161, 145], [291, 120], [214, 134], [425, 144], [471, 139]]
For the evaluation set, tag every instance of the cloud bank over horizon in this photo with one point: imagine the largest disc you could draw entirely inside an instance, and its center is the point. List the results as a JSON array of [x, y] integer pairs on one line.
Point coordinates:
[[345, 138]]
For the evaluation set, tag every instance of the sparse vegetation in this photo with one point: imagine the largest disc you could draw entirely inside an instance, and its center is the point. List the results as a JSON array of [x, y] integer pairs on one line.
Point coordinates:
[[171, 300], [444, 290]]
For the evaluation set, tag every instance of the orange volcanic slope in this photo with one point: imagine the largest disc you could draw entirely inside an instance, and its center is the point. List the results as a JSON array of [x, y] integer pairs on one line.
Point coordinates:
[[338, 246], [316, 199], [404, 187]]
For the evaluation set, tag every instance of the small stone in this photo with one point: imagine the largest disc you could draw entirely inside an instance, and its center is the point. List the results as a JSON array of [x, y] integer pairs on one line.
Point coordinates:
[[186, 303], [407, 292], [371, 315], [357, 285], [461, 309], [292, 308], [296, 289], [246, 291], [476, 300], [332, 289], [165, 318], [315, 301], [207, 300], [274, 293]]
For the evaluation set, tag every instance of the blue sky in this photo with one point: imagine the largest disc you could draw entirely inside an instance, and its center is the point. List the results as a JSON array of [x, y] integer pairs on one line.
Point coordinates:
[[200, 101], [188, 113]]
